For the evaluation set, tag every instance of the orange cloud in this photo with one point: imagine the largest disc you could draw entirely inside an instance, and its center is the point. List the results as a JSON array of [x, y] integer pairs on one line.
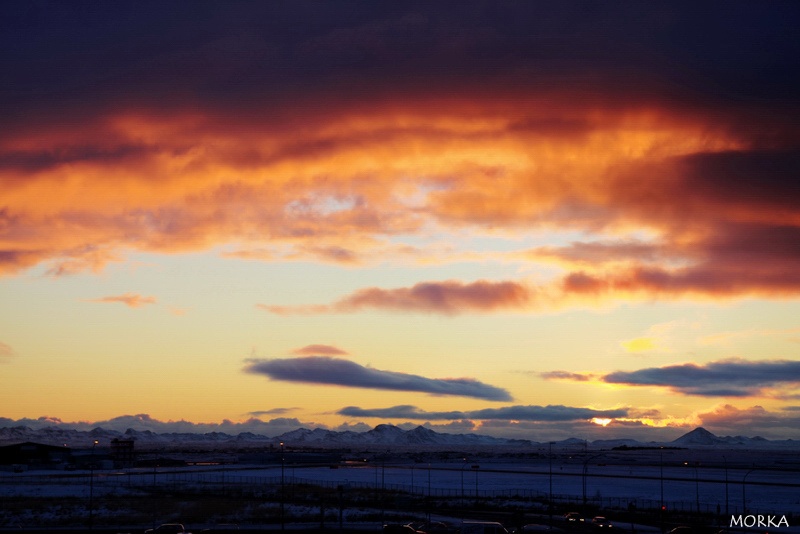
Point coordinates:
[[567, 375], [132, 300], [716, 280], [350, 183], [757, 420], [6, 351], [319, 350], [449, 297]]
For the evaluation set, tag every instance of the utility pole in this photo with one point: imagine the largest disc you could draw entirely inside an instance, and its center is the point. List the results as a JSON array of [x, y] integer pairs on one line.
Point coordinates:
[[283, 493], [550, 499], [91, 488]]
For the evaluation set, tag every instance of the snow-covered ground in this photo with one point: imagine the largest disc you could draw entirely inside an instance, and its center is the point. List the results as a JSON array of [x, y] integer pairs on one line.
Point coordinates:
[[679, 486]]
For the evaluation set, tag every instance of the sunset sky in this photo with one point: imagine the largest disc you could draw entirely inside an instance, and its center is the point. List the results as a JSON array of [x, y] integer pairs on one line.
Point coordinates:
[[525, 219]]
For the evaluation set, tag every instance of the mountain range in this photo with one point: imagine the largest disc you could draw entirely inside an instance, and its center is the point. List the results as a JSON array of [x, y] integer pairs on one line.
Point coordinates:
[[382, 435]]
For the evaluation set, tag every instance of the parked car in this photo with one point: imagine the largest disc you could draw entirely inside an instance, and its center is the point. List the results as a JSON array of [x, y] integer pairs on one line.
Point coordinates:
[[601, 522]]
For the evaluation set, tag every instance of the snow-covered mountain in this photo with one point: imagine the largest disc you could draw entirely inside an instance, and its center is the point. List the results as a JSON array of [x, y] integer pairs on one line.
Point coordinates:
[[384, 435], [698, 436]]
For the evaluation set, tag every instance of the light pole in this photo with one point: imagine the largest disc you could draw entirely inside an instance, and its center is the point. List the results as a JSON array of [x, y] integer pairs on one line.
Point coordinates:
[[726, 484], [283, 493], [744, 495], [155, 501], [476, 467], [550, 498], [585, 469], [586, 474], [383, 489], [661, 469], [696, 486], [91, 488], [428, 502], [463, 497]]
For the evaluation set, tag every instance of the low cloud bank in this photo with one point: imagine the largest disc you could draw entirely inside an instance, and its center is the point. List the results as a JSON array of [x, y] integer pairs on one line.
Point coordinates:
[[518, 413], [551, 423]]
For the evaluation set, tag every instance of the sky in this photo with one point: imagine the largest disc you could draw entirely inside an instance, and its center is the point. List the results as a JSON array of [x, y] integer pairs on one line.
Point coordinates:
[[536, 220]]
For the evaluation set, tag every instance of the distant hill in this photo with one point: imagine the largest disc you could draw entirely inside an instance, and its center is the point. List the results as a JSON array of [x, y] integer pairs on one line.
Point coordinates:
[[700, 437], [384, 435]]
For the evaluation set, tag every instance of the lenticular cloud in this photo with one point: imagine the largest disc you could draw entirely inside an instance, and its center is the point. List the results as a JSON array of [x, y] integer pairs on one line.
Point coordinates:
[[339, 372]]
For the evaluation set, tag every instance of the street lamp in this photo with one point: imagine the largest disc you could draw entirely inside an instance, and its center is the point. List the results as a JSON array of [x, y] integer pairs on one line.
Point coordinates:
[[585, 469], [383, 489], [463, 497], [696, 487], [585, 475], [91, 487], [428, 500], [744, 498], [550, 498], [661, 469], [726, 484], [283, 494], [476, 467]]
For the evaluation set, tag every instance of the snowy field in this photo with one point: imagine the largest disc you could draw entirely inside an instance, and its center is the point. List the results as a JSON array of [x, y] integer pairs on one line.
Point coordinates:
[[739, 482]]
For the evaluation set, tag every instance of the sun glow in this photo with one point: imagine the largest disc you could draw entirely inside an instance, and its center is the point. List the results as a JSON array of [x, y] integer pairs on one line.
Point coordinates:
[[602, 421]]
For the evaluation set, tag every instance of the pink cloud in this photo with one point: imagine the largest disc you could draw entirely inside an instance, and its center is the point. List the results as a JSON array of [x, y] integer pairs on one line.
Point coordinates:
[[132, 300], [319, 350], [448, 297], [6, 351]]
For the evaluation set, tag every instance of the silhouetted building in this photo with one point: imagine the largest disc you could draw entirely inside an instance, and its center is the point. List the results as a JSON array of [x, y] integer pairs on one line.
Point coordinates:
[[34, 455]]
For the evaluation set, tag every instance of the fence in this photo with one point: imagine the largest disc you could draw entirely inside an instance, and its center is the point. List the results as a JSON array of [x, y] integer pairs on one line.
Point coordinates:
[[229, 485]]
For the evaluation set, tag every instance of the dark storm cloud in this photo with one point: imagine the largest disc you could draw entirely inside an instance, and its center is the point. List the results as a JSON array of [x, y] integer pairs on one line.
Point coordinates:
[[549, 413], [732, 378], [33, 161], [339, 372], [727, 177], [224, 51]]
